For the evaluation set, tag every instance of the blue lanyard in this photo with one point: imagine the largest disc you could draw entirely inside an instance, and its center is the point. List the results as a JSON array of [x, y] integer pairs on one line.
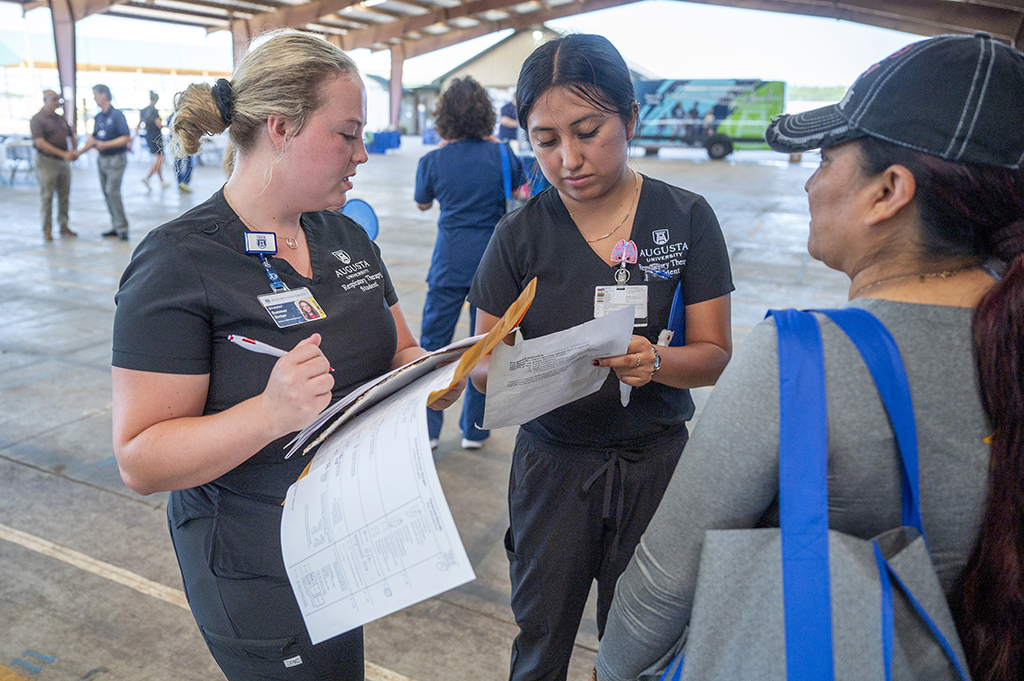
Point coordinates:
[[275, 281], [264, 244]]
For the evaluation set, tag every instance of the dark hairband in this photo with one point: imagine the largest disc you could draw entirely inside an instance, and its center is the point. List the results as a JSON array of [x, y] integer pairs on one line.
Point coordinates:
[[1008, 242], [225, 99]]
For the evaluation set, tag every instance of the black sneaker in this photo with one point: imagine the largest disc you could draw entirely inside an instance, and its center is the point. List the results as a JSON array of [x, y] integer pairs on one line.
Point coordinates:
[[111, 234], [123, 236]]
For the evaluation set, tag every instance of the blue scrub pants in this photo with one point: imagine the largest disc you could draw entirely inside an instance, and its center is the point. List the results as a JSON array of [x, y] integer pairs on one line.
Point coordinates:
[[440, 315], [183, 169]]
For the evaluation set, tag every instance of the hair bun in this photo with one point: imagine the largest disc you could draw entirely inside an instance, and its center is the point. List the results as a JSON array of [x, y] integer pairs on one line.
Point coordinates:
[[224, 96], [1008, 242]]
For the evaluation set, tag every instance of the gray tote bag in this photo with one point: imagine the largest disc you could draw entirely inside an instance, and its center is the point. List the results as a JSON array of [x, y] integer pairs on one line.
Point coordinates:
[[805, 603]]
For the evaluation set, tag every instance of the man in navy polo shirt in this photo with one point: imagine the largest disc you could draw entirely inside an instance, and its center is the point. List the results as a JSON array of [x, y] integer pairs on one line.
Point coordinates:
[[110, 136]]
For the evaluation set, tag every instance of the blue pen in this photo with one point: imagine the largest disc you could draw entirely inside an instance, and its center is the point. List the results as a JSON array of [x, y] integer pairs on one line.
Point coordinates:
[[659, 273]]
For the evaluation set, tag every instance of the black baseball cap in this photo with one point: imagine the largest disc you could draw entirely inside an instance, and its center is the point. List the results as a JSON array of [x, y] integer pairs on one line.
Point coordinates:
[[958, 97]]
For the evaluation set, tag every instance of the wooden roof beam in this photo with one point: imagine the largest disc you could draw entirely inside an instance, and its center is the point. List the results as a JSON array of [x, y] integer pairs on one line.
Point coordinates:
[[342, 21], [422, 4], [1006, 4], [415, 48], [395, 30], [922, 17], [175, 11], [177, 20], [81, 9], [297, 16], [245, 6], [394, 14]]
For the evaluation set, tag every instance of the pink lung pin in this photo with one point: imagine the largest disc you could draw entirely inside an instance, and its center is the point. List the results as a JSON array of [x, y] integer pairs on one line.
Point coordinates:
[[624, 252]]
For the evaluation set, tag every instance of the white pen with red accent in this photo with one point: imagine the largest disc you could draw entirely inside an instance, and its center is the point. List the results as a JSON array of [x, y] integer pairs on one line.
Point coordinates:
[[258, 346]]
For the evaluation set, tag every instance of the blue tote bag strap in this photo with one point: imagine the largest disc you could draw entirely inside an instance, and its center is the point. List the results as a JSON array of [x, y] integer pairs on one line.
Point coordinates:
[[882, 356], [506, 171], [803, 496], [799, 348]]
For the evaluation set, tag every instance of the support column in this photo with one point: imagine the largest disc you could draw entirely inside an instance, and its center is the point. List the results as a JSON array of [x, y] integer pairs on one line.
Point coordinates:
[[240, 37], [395, 84], [64, 45], [416, 113]]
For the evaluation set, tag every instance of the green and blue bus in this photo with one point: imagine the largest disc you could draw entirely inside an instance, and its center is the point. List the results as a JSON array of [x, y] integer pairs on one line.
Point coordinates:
[[718, 115]]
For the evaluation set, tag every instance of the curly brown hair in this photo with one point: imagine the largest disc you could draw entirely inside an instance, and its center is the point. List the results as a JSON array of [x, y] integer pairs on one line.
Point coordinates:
[[464, 111]]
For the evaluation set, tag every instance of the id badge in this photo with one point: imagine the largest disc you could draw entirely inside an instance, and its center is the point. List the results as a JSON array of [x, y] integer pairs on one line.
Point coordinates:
[[295, 306], [608, 299]]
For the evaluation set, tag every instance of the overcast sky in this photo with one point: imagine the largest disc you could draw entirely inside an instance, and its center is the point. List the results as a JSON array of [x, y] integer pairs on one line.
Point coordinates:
[[672, 39]]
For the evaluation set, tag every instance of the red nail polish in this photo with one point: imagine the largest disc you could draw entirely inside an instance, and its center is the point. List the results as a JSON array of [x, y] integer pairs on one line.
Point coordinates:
[[596, 363]]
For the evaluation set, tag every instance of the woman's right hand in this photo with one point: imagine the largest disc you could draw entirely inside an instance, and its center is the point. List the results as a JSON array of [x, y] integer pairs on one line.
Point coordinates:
[[299, 387], [164, 441]]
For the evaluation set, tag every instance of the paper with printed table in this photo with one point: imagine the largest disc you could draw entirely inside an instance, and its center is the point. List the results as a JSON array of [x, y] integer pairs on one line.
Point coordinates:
[[366, 530]]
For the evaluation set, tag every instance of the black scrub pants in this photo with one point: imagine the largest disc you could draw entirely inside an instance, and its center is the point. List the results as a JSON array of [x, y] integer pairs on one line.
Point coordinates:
[[252, 624], [575, 516]]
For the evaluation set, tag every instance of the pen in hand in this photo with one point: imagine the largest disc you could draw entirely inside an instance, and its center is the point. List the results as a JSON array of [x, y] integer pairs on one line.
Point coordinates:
[[257, 346]]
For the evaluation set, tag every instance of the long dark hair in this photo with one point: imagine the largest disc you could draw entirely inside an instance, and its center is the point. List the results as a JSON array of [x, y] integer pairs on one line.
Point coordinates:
[[971, 210], [587, 65]]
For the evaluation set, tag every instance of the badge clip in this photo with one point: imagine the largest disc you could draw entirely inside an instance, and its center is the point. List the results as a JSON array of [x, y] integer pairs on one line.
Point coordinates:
[[260, 243], [624, 253]]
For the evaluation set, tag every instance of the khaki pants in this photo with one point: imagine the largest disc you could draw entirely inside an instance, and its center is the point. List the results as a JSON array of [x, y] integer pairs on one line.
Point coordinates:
[[54, 177], [111, 169]]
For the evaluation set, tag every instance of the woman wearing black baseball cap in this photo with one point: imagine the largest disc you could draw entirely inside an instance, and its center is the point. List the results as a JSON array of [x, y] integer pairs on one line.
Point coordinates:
[[919, 199]]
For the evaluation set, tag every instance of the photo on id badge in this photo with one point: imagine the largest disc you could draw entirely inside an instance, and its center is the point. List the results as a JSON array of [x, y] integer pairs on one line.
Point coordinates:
[[289, 308]]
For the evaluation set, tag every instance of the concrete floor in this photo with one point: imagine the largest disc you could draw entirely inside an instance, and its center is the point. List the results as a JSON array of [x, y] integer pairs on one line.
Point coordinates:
[[89, 586]]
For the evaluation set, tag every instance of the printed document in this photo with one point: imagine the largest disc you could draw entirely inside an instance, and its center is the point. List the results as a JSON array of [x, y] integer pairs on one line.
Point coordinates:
[[367, 531], [535, 376]]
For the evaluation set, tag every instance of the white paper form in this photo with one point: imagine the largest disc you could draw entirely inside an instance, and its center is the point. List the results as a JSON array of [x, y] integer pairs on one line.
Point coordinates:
[[368, 531], [372, 392], [535, 376]]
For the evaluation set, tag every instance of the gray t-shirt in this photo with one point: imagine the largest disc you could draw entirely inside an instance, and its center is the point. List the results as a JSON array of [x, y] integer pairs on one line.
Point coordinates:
[[727, 477]]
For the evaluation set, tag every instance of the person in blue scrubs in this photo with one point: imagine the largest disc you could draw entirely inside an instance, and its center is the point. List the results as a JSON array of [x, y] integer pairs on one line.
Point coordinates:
[[465, 177]]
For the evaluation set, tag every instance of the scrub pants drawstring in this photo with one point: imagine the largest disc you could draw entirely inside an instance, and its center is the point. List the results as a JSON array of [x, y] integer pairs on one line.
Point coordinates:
[[608, 470]]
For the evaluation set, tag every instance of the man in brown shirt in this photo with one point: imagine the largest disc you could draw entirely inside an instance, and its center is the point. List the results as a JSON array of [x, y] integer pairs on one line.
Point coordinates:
[[50, 133]]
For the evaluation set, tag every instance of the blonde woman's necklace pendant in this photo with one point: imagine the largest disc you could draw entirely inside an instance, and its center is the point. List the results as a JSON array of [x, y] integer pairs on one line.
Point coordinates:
[[292, 241]]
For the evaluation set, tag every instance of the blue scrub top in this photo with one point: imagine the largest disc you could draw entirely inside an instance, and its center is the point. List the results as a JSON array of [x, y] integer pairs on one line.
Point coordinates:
[[465, 178]]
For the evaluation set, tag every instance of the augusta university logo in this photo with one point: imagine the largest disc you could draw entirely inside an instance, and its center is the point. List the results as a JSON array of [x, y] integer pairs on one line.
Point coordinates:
[[342, 256], [660, 236]]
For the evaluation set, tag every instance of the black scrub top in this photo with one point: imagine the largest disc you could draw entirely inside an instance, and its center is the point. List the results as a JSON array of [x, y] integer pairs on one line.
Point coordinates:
[[190, 284], [675, 232]]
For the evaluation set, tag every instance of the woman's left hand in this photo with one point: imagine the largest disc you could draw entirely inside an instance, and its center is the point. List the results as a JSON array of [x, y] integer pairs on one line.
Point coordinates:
[[636, 367], [448, 399]]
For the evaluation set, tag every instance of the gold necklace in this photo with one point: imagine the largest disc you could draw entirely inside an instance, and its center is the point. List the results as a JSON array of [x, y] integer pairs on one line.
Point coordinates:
[[291, 241], [946, 274], [636, 190]]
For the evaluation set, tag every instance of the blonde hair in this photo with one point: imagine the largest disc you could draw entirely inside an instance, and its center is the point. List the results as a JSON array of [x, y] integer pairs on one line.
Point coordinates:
[[282, 77]]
